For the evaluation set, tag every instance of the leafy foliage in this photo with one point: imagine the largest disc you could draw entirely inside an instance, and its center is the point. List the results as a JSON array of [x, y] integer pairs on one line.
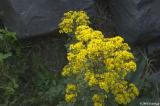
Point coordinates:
[[145, 79], [24, 80]]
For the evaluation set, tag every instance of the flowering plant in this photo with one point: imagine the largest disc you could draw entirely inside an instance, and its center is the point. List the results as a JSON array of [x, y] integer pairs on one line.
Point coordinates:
[[97, 66]]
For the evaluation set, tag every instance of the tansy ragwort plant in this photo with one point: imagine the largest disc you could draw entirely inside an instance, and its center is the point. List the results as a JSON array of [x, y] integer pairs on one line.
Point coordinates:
[[97, 66]]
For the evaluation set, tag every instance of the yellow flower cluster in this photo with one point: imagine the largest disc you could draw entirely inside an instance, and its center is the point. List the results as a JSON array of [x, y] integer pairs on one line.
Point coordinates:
[[88, 32], [98, 100], [124, 93], [90, 78], [102, 62], [72, 19], [71, 94]]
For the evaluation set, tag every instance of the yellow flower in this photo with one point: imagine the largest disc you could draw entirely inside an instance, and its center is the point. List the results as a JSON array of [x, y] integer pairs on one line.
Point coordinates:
[[76, 47], [98, 100], [104, 86], [70, 97], [103, 63], [130, 66], [90, 78], [70, 56], [92, 81], [71, 94], [85, 34], [72, 19], [71, 87], [98, 104], [134, 89], [123, 98], [124, 93], [66, 70], [81, 56], [120, 99]]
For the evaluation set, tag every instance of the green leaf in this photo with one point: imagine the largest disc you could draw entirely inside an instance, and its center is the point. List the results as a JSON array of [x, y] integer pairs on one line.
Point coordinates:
[[137, 76], [4, 56]]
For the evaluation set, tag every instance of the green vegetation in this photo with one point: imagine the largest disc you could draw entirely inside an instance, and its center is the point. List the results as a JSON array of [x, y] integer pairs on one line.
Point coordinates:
[[24, 80]]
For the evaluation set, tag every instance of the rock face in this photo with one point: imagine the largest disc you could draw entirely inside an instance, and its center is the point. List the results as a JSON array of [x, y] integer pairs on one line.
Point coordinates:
[[46, 51], [136, 20], [1, 24], [34, 17]]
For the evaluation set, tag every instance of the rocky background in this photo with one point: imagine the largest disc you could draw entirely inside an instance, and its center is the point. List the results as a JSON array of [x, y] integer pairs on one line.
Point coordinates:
[[138, 21]]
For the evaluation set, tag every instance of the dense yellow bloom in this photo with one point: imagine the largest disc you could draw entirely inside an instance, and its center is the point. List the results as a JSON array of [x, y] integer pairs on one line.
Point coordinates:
[[85, 33], [102, 63], [72, 19], [67, 26], [66, 70], [98, 100], [94, 48], [71, 87], [76, 47], [70, 97], [130, 65], [134, 89], [103, 85], [119, 87], [81, 56], [76, 61], [70, 56], [71, 94], [124, 93], [90, 78]]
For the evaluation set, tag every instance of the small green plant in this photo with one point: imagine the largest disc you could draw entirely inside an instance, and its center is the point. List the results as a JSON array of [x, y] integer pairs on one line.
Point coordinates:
[[7, 83], [7, 40]]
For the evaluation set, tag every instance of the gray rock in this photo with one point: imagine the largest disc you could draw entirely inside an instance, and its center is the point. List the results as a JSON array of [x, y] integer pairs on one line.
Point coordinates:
[[136, 20], [48, 52], [1, 24], [155, 77], [35, 17]]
